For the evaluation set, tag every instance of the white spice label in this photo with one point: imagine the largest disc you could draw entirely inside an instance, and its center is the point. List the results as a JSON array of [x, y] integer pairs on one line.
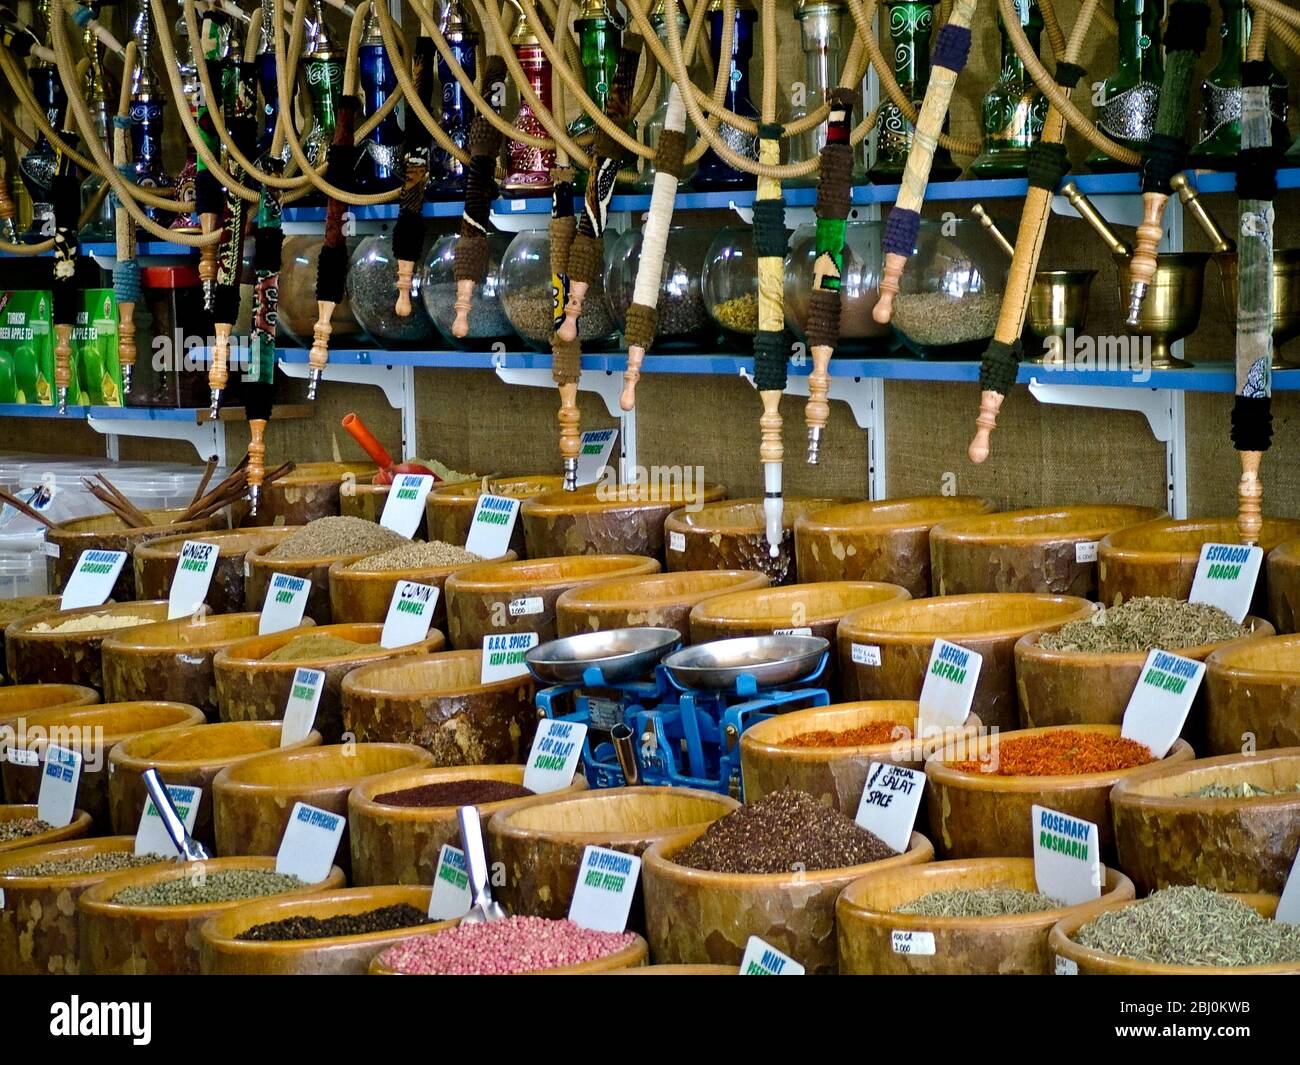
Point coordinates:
[[503, 655], [93, 579], [151, 837], [533, 604], [1067, 862], [285, 604], [51, 550], [602, 897], [676, 541], [193, 575], [404, 507], [2, 898], [949, 688], [801, 630], [1161, 700], [248, 569], [864, 654], [22, 756], [410, 613], [450, 897], [57, 799], [1288, 906], [1226, 576], [300, 708], [1066, 966], [310, 842], [889, 803], [554, 755], [912, 942], [492, 526], [1085, 551], [593, 454], [763, 959]]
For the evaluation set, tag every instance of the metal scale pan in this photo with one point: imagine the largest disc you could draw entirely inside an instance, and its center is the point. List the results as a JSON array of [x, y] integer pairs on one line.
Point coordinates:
[[619, 655], [770, 660]]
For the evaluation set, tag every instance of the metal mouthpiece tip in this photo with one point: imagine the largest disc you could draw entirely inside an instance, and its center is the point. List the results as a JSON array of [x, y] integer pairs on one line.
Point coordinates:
[[215, 409], [313, 380], [1135, 297], [254, 497], [126, 379], [814, 446], [63, 399], [570, 475]]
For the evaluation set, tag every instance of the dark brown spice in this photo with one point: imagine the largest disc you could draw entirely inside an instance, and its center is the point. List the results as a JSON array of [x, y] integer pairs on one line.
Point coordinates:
[[383, 919], [469, 792]]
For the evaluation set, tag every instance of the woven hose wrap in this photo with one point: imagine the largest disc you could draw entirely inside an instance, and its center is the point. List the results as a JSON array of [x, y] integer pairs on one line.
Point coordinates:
[[332, 267], [408, 234], [771, 349], [484, 145], [833, 193], [126, 281], [1165, 154], [242, 126], [566, 355], [1046, 164], [65, 196], [999, 366]]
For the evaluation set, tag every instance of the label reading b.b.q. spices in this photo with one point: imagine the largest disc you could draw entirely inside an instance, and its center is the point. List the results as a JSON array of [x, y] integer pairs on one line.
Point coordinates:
[[503, 655]]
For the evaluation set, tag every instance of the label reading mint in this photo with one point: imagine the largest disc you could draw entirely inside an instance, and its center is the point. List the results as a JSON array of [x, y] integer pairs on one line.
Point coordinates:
[[912, 942], [602, 897], [593, 454], [1067, 860], [503, 655], [1085, 551], [410, 613], [763, 959], [520, 608], [93, 578], [1226, 576], [1161, 700], [865, 654], [404, 507], [57, 799], [492, 526], [285, 604], [309, 844], [194, 571], [151, 837], [300, 708], [889, 803], [554, 755], [676, 541], [949, 687], [450, 897]]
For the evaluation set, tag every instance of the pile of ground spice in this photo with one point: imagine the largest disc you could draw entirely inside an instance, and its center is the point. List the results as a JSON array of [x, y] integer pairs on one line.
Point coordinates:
[[863, 736], [383, 919], [316, 645], [1243, 790], [209, 743], [103, 862], [415, 555], [225, 886], [786, 831], [500, 948], [472, 791], [1144, 624], [1065, 752], [333, 536], [93, 623]]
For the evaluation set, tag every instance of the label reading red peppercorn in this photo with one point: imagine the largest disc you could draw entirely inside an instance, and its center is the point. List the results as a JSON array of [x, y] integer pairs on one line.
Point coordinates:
[[1067, 862], [602, 897], [949, 687], [1226, 576], [554, 755], [889, 803], [763, 959], [310, 841], [1161, 700]]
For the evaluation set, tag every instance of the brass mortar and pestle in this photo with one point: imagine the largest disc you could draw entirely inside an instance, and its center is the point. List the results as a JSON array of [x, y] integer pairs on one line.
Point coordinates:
[[1172, 307], [1058, 300]]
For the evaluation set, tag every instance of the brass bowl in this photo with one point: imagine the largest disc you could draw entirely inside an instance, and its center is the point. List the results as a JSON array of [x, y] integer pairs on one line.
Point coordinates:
[[1286, 295], [1172, 306], [1058, 304]]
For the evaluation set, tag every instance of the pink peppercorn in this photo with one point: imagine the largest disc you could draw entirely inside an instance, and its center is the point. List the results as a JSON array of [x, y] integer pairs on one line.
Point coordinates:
[[501, 948]]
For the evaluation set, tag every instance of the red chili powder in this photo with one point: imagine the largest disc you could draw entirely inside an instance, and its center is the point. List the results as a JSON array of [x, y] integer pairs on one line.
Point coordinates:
[[864, 735], [1069, 752]]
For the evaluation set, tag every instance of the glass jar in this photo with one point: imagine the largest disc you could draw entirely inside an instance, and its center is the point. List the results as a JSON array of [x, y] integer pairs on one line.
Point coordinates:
[[659, 116], [821, 25], [683, 318], [297, 307], [487, 318], [1014, 110], [730, 284], [372, 287], [713, 172], [859, 285], [526, 295], [1129, 97], [951, 291]]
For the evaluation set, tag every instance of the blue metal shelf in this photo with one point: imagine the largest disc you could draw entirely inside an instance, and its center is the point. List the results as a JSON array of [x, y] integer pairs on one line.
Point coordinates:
[[124, 414]]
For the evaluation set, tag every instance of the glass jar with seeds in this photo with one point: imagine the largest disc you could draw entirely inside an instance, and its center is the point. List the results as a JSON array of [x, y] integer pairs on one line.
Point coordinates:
[[487, 318], [372, 287], [526, 294], [683, 318], [859, 285], [730, 284]]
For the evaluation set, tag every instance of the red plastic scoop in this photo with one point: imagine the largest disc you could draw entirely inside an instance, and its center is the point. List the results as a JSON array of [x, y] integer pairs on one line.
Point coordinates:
[[381, 457]]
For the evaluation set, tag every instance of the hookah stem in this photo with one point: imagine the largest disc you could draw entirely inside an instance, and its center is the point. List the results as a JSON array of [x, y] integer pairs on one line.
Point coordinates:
[[268, 238], [471, 260], [1165, 154], [643, 314], [209, 202], [408, 234], [566, 355], [65, 195], [126, 271], [833, 192], [951, 49]]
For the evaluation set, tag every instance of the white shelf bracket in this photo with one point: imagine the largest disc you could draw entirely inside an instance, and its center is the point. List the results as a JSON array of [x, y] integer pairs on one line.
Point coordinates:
[[1154, 404], [393, 380], [206, 437]]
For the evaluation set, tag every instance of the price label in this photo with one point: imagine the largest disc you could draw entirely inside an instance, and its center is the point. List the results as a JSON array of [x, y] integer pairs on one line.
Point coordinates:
[[1066, 966], [763, 959], [300, 707], [949, 687], [912, 942], [194, 571], [593, 454], [889, 803], [522, 608], [309, 844], [1161, 700], [404, 507], [554, 755], [1085, 551], [450, 897], [503, 655], [492, 526], [57, 799], [800, 630], [410, 613], [23, 756], [93, 578], [51, 550], [1226, 576], [151, 836], [865, 654], [1067, 861], [602, 897], [286, 602], [676, 541]]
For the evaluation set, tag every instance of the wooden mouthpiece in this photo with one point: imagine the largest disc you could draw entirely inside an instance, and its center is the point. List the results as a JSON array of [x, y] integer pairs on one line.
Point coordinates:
[[464, 299], [990, 404], [890, 276], [320, 344], [126, 342], [218, 374], [627, 400], [818, 409], [208, 258], [405, 275], [256, 459], [1250, 498], [63, 364], [770, 448], [1142, 267], [570, 432], [573, 310]]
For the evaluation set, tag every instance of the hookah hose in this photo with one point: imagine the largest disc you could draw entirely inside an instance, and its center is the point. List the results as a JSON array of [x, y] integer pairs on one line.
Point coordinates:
[[643, 314], [268, 239], [566, 355], [1165, 154], [408, 234], [126, 271], [834, 190], [951, 50], [65, 194]]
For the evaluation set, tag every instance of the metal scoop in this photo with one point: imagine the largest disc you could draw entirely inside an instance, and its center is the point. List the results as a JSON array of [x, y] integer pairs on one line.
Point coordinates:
[[483, 907], [190, 849]]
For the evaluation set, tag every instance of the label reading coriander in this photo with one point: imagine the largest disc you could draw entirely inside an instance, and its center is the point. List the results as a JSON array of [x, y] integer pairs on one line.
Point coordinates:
[[300, 707], [865, 654], [763, 959], [503, 655], [309, 844], [450, 897], [1226, 576], [285, 604], [554, 755], [949, 687], [602, 897], [521, 608], [410, 613], [492, 526], [912, 942], [57, 800], [890, 801], [194, 571], [1067, 862], [93, 578], [151, 836], [1161, 700], [404, 507]]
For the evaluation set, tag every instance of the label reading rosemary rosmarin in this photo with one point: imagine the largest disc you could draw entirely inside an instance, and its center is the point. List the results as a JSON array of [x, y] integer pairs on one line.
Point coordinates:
[[1226, 576], [889, 803], [410, 613], [404, 507], [300, 707], [151, 837], [1067, 858], [310, 841], [949, 687], [450, 897], [1161, 700], [285, 603], [602, 897], [492, 526], [763, 959], [93, 578], [503, 655], [57, 800], [193, 576], [554, 755]]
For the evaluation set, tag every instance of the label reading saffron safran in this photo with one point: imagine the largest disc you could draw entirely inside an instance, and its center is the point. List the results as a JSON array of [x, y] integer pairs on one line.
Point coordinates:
[[949, 688], [93, 578], [602, 897], [410, 612], [1067, 862], [1226, 576], [193, 575], [1162, 700]]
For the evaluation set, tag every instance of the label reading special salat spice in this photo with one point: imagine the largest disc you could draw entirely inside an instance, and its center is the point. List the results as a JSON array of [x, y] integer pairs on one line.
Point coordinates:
[[93, 578], [889, 803], [310, 841], [1161, 700], [1288, 906], [763, 959], [1226, 576], [593, 454], [57, 799], [300, 707], [450, 897], [602, 897], [522, 608], [410, 613], [285, 603], [949, 687], [676, 541], [492, 526], [404, 507], [503, 655], [554, 755], [152, 837], [1067, 862], [1085, 551], [865, 654], [904, 942], [1066, 966], [193, 575]]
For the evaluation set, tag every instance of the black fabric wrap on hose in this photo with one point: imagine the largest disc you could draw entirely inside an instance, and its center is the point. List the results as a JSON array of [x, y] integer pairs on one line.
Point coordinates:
[[1188, 25], [998, 369], [1257, 173], [209, 196], [1252, 423], [771, 351], [1068, 75], [769, 228], [225, 303], [331, 273], [1163, 157], [1046, 164]]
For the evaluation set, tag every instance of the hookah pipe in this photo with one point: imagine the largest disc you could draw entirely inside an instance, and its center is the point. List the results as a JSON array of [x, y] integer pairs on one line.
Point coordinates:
[[65, 194], [833, 192], [268, 241], [408, 234], [126, 271]]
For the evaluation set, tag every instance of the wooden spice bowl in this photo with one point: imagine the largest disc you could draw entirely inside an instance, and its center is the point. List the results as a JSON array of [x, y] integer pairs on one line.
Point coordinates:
[[540, 845], [449, 509], [677, 970], [1009, 945], [694, 916], [309, 491], [107, 532], [1045, 549], [365, 597], [884, 650], [834, 776], [1159, 557], [437, 702], [632, 955], [1166, 836], [223, 954], [38, 917], [249, 688], [400, 844], [92, 731], [173, 659], [261, 569], [660, 600], [12, 610], [367, 501], [877, 540], [79, 826], [68, 657], [253, 798], [984, 815], [732, 534], [490, 598], [1087, 687], [207, 749], [18, 700], [134, 940], [1282, 573], [1091, 962], [1252, 693], [155, 564], [601, 520]]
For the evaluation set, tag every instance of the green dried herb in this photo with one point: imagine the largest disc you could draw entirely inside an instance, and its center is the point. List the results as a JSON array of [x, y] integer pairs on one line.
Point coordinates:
[[1144, 624], [1237, 791], [979, 902]]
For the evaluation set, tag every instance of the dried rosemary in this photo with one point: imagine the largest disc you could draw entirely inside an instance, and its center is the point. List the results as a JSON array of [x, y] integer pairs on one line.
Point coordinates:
[[1143, 624]]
